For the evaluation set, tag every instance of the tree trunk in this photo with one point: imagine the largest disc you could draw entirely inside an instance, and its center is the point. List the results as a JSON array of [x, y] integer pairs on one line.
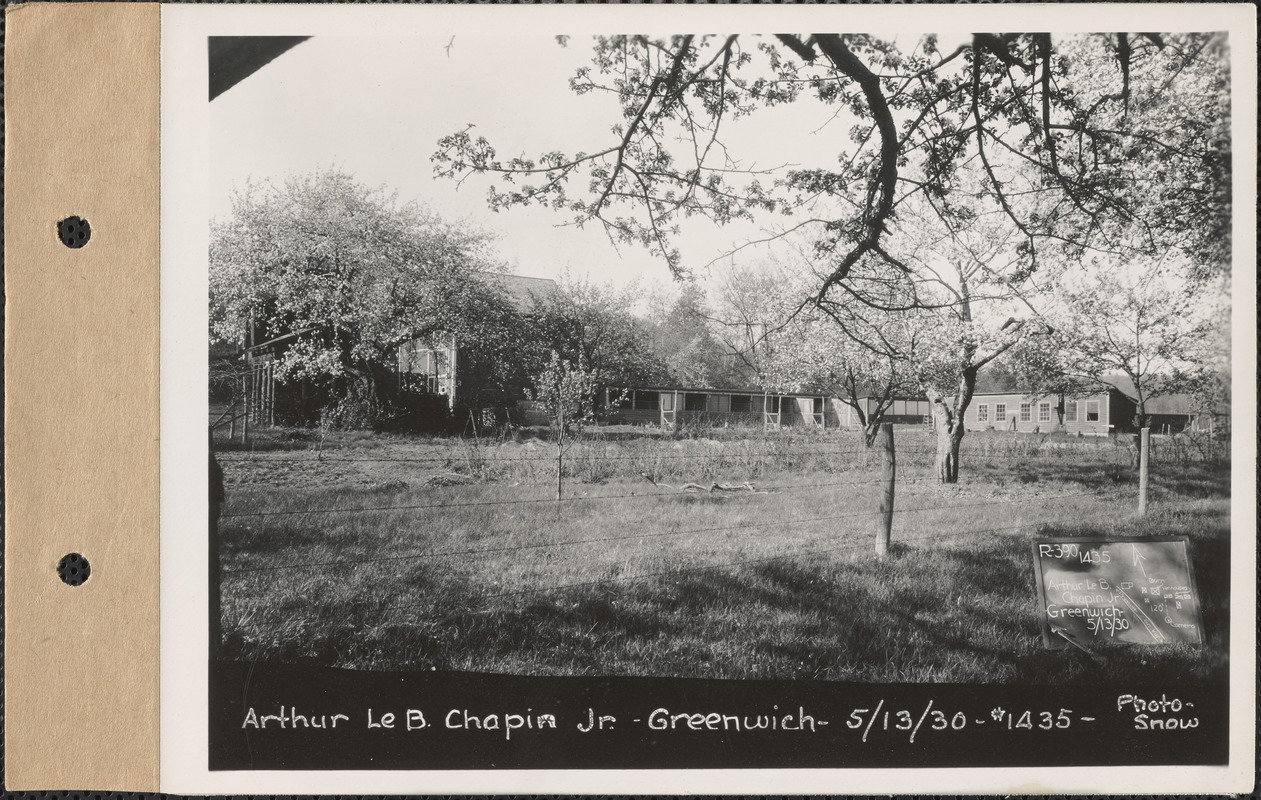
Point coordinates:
[[948, 422], [949, 437], [870, 431], [560, 446], [1140, 422]]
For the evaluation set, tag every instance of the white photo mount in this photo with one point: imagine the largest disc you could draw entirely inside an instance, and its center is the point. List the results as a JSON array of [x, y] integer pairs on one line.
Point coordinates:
[[114, 743]]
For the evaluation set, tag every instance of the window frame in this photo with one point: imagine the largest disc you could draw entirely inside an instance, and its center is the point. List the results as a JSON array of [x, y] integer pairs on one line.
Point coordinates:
[[640, 405], [1070, 410], [1000, 412], [1044, 412], [1092, 416], [983, 413], [1026, 412]]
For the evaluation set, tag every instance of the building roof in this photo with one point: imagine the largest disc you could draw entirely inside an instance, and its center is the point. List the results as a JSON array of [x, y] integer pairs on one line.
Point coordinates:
[[712, 390], [1180, 404], [1161, 404], [897, 398], [1171, 404], [990, 385], [220, 349], [996, 392], [525, 292]]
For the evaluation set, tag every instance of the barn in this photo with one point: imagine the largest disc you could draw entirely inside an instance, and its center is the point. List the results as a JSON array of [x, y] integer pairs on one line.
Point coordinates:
[[250, 366], [436, 364], [424, 365]]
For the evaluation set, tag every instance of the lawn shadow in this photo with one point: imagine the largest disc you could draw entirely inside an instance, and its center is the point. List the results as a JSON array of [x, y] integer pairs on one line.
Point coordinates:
[[789, 619], [923, 615]]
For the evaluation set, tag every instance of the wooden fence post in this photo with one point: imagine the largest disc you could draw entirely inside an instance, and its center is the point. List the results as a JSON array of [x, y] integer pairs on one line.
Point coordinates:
[[560, 450], [271, 394], [1144, 450], [884, 519], [560, 472], [245, 417]]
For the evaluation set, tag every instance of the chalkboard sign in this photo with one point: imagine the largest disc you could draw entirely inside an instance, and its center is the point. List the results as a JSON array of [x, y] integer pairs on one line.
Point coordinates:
[[1134, 591]]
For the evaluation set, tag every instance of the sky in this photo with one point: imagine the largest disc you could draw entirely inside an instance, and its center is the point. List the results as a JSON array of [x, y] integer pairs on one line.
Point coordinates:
[[381, 119], [376, 106]]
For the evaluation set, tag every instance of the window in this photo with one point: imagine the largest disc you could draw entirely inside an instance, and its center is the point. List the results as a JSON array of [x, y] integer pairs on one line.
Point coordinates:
[[1092, 410], [818, 405], [1044, 412], [1000, 412], [1070, 410], [694, 402], [741, 404], [983, 413], [424, 362], [646, 401], [416, 383], [1024, 412]]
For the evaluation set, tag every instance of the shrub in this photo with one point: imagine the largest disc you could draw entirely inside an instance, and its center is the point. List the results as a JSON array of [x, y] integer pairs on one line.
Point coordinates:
[[413, 413]]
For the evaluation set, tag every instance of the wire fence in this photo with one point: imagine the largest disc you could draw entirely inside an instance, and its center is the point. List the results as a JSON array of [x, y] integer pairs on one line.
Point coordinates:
[[657, 460], [313, 457], [851, 546], [577, 474], [733, 492], [630, 537], [751, 519]]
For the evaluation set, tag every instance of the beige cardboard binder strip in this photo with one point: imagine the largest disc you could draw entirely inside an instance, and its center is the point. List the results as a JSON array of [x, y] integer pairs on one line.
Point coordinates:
[[81, 397]]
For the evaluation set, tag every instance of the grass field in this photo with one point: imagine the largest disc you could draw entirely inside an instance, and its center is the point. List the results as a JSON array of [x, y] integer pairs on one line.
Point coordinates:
[[380, 553]]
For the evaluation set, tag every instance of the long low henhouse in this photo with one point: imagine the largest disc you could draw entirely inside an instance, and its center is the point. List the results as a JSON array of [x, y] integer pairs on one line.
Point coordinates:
[[668, 406]]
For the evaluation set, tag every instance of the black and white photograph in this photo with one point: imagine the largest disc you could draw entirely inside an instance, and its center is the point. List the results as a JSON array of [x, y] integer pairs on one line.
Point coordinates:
[[719, 400]]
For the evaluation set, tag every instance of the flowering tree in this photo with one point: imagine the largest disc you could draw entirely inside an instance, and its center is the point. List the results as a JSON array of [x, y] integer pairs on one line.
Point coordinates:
[[855, 353], [566, 390], [347, 272], [1056, 147], [592, 324], [1151, 322], [1093, 122], [824, 358], [695, 343]]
